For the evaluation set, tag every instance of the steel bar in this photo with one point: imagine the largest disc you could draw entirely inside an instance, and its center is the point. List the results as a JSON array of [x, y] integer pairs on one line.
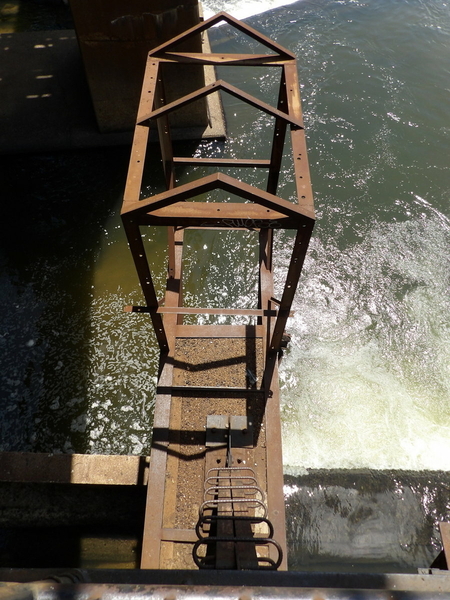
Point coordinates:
[[295, 268], [234, 60], [165, 141], [185, 310], [222, 162], [298, 141], [141, 134], [219, 331], [227, 215], [278, 139], [136, 166], [219, 181], [145, 278]]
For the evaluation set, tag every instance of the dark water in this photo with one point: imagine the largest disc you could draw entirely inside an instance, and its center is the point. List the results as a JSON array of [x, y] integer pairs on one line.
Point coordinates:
[[365, 381]]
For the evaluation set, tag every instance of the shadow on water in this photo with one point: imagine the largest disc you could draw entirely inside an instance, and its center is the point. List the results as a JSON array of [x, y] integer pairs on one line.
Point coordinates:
[[54, 210]]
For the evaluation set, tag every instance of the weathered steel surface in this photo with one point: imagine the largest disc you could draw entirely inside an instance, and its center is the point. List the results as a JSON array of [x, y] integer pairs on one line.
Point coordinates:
[[262, 210]]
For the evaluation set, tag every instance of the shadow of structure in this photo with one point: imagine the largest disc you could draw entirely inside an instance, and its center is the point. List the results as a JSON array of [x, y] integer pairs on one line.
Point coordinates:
[[54, 212]]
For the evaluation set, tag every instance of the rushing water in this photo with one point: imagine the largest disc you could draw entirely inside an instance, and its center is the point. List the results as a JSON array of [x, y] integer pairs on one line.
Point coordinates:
[[365, 381]]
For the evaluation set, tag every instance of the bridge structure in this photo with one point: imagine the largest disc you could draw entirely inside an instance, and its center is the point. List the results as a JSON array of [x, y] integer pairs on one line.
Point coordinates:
[[215, 487]]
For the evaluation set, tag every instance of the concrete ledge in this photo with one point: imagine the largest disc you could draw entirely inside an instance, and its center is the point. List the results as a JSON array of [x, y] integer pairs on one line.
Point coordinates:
[[223, 584], [28, 467]]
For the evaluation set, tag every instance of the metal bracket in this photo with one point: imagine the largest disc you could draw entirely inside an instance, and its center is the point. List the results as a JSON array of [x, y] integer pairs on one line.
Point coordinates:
[[218, 427]]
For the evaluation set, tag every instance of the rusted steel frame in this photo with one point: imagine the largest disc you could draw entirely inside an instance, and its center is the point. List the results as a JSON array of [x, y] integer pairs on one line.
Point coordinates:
[[171, 252], [199, 215], [266, 238], [207, 392], [444, 529], [295, 268], [234, 60], [265, 283], [154, 511], [249, 312], [278, 140], [218, 85], [185, 536], [275, 482], [217, 181], [141, 133], [145, 278], [298, 140], [222, 162], [239, 25], [136, 166], [165, 141]]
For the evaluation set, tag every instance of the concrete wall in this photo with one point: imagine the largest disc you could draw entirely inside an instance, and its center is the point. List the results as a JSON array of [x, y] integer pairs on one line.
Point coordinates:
[[114, 38]]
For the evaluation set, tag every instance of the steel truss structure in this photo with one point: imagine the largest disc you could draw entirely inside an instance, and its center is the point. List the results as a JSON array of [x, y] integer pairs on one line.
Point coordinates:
[[260, 210]]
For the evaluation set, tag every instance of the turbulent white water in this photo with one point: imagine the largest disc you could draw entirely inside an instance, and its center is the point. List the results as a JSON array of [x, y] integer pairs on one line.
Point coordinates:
[[365, 382], [240, 10]]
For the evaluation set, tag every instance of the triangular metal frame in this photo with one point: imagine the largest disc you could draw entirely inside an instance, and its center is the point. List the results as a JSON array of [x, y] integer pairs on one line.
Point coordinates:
[[137, 211], [163, 50], [216, 87]]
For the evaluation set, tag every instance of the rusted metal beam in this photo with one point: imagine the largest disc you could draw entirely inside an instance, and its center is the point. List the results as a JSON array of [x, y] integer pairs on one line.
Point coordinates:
[[145, 278], [219, 216], [298, 141], [175, 207], [219, 331], [234, 60], [223, 162], [295, 268]]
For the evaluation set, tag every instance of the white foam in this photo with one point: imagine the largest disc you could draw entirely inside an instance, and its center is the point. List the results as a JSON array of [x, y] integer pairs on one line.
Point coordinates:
[[241, 10]]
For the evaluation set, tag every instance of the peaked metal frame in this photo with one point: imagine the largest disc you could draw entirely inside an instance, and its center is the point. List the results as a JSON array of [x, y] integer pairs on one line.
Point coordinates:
[[264, 210]]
